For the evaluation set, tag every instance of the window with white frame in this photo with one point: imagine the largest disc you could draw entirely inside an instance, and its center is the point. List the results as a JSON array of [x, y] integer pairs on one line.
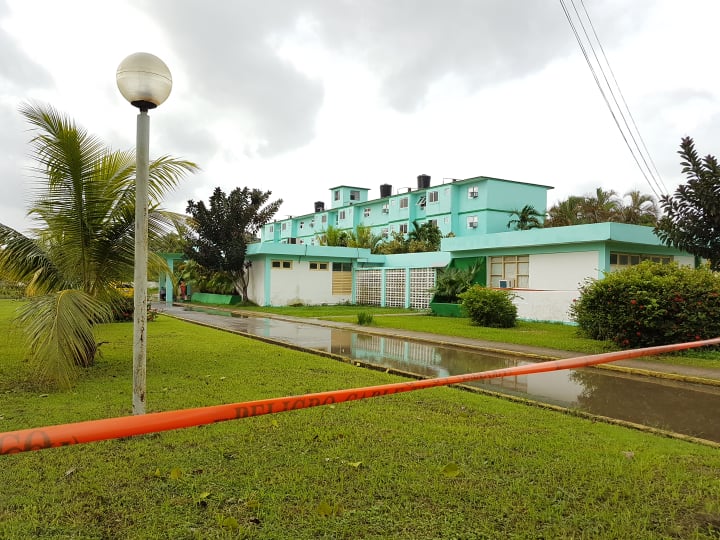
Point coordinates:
[[432, 196], [271, 228], [283, 227], [385, 208], [472, 192], [384, 232], [366, 212], [472, 222], [510, 271], [403, 228], [341, 214], [404, 202], [323, 218]]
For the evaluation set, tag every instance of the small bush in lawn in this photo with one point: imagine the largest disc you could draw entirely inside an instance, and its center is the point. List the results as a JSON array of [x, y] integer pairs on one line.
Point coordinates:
[[489, 307], [650, 304], [364, 318]]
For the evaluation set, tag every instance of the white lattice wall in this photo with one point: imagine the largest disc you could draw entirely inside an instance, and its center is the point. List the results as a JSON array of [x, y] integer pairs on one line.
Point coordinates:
[[421, 281], [367, 286], [395, 287]]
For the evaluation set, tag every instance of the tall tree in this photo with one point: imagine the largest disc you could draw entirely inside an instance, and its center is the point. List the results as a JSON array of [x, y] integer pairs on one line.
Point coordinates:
[[691, 217], [362, 237], [424, 237], [567, 212], [223, 231], [83, 242], [333, 236], [640, 210], [526, 218], [601, 207]]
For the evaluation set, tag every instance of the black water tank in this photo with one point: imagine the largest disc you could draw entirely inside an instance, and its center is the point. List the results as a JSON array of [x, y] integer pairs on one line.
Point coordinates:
[[423, 181], [319, 206], [385, 190]]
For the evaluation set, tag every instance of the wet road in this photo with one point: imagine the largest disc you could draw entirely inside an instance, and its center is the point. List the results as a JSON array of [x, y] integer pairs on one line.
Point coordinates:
[[690, 409]]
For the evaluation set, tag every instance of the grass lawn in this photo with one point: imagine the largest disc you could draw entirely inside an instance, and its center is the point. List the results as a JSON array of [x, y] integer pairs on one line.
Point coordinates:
[[438, 463]]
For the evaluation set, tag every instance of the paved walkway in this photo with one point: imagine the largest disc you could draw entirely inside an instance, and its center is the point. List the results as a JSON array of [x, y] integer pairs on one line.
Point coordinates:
[[646, 367]]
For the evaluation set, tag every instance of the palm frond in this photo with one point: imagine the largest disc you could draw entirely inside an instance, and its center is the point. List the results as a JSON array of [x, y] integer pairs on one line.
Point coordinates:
[[59, 333]]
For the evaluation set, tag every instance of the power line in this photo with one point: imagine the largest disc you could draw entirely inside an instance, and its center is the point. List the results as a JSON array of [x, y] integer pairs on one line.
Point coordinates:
[[640, 155]]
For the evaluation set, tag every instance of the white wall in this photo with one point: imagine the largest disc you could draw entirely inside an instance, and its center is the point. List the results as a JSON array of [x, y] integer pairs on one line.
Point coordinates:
[[302, 285], [562, 271], [544, 305], [256, 286]]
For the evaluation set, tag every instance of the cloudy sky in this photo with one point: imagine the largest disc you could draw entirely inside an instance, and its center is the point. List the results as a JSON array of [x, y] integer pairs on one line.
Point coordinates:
[[299, 96]]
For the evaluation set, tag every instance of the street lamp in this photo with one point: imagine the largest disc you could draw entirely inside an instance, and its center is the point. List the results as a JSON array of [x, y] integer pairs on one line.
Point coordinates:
[[145, 81]]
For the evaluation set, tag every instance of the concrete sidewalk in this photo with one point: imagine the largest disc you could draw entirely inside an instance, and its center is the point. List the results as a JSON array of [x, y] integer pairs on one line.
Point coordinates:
[[636, 366]]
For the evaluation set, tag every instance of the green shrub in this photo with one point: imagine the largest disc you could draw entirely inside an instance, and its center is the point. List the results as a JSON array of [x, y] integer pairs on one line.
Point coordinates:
[[489, 307], [650, 304], [364, 318], [451, 282]]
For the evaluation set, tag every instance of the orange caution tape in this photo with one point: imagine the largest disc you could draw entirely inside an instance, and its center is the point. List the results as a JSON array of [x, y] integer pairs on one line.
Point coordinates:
[[24, 440]]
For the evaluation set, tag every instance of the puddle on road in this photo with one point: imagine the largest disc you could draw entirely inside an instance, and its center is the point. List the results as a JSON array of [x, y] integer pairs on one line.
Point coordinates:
[[675, 406]]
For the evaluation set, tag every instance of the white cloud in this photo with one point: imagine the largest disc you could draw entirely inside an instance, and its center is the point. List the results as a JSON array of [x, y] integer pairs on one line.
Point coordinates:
[[298, 97]]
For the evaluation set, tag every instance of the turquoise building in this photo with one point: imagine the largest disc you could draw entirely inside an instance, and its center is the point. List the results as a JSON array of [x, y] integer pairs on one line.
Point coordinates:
[[544, 267]]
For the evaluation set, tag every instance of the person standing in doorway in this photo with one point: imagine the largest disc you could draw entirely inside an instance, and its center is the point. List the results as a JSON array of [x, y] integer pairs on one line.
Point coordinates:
[[183, 290]]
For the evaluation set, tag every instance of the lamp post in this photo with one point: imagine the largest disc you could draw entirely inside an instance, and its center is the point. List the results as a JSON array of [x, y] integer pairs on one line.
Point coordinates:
[[145, 81]]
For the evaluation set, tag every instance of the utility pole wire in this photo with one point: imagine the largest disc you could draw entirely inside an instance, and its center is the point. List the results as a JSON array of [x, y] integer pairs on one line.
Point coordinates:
[[655, 187]]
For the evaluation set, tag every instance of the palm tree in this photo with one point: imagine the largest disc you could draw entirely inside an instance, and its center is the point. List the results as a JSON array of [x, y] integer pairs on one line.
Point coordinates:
[[425, 237], [602, 207], [567, 212], [333, 236], [642, 209], [84, 239], [362, 237], [527, 218]]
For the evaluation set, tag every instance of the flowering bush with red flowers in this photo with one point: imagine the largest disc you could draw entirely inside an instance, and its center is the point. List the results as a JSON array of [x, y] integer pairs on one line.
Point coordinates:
[[650, 304]]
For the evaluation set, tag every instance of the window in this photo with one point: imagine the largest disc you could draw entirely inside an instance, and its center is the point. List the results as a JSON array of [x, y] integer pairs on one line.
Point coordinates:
[[336, 195], [271, 228], [284, 226], [622, 260], [433, 196], [404, 202], [341, 267], [354, 195], [342, 214], [366, 212], [318, 266], [433, 222], [472, 222], [323, 218], [473, 192], [514, 270], [302, 225], [403, 228], [422, 201], [385, 208], [284, 265], [384, 232]]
